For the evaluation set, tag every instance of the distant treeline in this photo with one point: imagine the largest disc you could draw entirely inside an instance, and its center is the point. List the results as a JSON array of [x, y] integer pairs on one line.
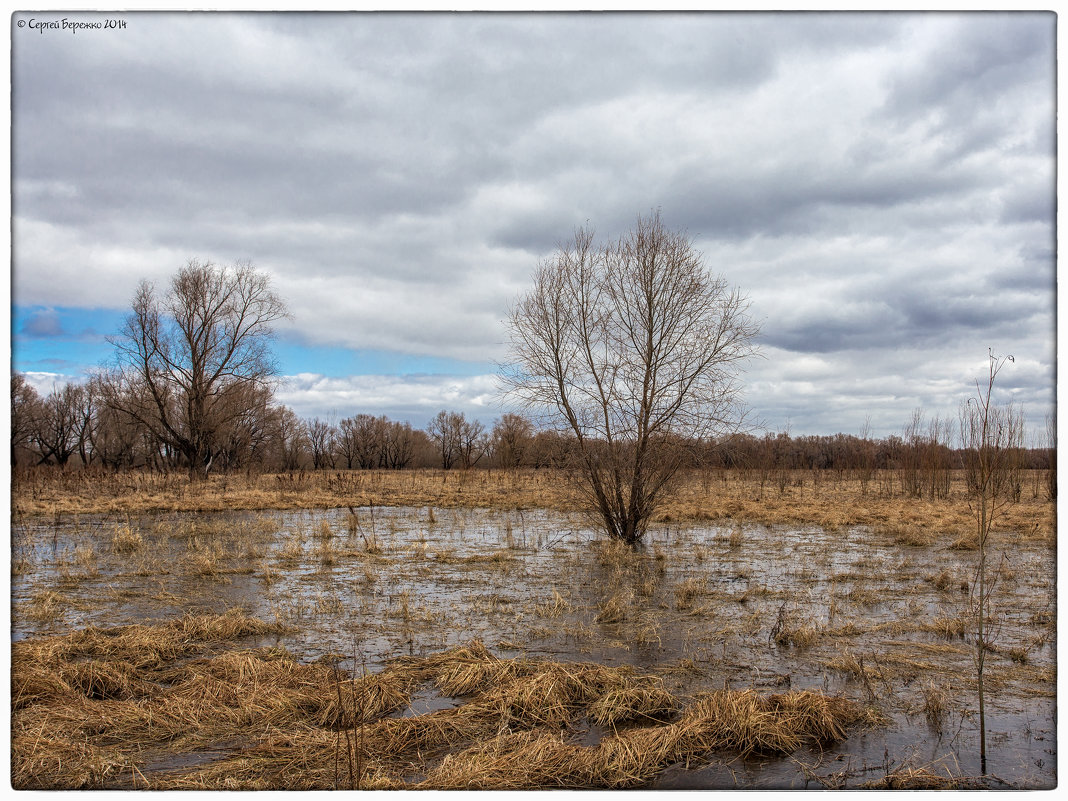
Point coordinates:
[[78, 425]]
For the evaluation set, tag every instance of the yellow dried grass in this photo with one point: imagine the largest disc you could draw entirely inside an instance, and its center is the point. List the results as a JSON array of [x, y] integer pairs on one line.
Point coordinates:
[[90, 715], [912, 778], [633, 703], [513, 761], [364, 699], [839, 503], [741, 722]]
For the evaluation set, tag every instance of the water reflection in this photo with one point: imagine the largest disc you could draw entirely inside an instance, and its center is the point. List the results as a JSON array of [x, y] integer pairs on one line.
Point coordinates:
[[842, 611]]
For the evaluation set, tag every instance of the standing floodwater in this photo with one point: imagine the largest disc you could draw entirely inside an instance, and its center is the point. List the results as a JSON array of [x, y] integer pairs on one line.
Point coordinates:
[[849, 612]]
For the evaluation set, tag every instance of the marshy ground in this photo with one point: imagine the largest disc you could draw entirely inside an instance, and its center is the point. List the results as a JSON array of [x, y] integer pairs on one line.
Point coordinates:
[[489, 645]]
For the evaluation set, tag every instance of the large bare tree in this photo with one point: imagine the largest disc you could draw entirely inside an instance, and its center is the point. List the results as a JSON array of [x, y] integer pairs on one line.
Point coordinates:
[[322, 441], [192, 362], [399, 446], [633, 347]]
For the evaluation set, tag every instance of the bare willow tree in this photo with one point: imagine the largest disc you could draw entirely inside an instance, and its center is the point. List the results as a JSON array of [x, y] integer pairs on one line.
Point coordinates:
[[194, 361], [635, 348], [61, 428], [25, 407], [457, 439], [444, 433], [399, 447], [991, 436], [511, 439], [322, 441]]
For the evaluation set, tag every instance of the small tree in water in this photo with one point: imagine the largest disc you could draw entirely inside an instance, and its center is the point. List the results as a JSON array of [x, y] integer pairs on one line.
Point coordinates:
[[634, 348], [991, 436]]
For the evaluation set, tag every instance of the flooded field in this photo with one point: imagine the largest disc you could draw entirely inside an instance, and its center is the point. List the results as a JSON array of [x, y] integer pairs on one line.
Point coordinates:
[[883, 620]]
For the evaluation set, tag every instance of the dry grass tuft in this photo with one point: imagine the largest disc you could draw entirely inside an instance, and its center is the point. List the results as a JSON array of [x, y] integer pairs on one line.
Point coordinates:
[[800, 635], [1018, 655], [635, 703], [911, 778], [45, 606], [914, 536], [85, 556], [553, 608], [849, 664], [365, 699], [686, 592], [616, 608], [103, 680], [948, 626], [745, 722], [126, 539], [464, 678], [943, 581], [935, 702], [513, 761], [91, 708], [967, 540], [788, 631], [613, 554], [740, 722], [392, 738], [551, 694]]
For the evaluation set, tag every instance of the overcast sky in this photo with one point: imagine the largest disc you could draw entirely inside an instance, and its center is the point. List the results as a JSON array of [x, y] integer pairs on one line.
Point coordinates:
[[882, 186]]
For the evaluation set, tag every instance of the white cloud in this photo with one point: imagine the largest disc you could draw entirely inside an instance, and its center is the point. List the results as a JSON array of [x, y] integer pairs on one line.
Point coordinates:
[[412, 398], [45, 383], [881, 185], [58, 265]]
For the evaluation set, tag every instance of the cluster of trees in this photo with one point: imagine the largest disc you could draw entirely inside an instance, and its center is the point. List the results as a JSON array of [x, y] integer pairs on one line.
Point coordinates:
[[81, 424], [628, 352], [847, 452], [908, 464], [87, 424], [191, 387]]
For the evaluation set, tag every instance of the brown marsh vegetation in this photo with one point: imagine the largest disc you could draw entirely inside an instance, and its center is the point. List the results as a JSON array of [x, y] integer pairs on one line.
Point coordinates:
[[823, 498], [106, 706], [650, 650]]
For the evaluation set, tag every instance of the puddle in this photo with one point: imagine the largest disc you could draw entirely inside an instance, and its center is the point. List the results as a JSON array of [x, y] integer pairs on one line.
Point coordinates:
[[424, 700], [707, 607]]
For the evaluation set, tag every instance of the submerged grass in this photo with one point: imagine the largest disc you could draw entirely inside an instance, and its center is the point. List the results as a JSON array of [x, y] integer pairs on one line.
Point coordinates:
[[111, 708]]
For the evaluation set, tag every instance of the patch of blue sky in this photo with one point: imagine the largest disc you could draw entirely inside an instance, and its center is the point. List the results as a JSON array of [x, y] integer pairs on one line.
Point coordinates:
[[63, 340], [65, 322], [71, 340]]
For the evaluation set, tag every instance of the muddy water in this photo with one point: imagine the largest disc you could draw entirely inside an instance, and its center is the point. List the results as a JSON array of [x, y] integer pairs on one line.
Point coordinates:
[[847, 612]]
